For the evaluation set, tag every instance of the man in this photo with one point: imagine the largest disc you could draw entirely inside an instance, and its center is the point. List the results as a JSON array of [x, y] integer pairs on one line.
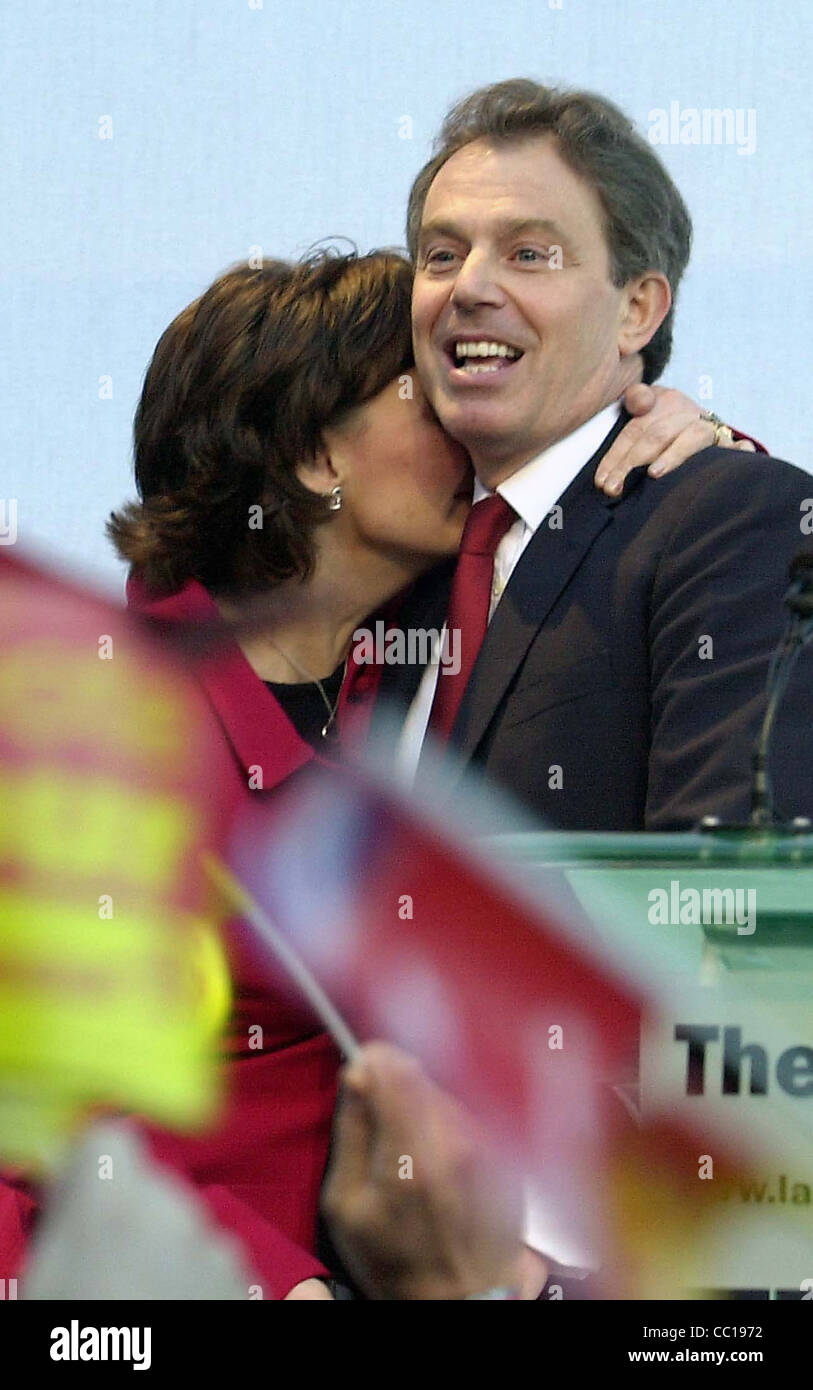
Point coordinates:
[[620, 681]]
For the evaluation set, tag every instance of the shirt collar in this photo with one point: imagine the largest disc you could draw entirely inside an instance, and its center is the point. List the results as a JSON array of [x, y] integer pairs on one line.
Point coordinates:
[[538, 484]]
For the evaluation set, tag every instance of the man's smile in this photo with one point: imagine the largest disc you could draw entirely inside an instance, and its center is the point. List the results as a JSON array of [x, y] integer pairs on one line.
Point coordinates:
[[478, 360]]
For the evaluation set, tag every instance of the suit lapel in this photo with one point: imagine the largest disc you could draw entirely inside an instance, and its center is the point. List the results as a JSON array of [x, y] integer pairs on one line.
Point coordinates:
[[547, 564]]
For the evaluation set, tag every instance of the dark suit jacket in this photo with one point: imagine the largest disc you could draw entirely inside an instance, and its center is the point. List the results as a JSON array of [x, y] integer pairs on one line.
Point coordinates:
[[621, 682]]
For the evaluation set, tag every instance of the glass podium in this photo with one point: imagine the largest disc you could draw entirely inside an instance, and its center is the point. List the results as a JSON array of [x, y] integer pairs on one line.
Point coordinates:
[[716, 928]]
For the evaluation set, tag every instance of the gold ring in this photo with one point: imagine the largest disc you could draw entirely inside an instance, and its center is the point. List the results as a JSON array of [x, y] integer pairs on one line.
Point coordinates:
[[721, 429]]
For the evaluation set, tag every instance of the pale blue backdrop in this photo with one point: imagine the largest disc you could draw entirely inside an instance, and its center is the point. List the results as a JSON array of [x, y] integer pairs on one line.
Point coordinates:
[[271, 123]]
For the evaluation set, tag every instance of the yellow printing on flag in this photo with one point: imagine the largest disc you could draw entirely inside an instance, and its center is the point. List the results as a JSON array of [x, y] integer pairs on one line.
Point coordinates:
[[49, 695], [124, 1013], [113, 983]]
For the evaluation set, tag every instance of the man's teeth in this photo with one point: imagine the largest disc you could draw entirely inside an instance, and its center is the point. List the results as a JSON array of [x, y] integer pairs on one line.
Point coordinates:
[[485, 348]]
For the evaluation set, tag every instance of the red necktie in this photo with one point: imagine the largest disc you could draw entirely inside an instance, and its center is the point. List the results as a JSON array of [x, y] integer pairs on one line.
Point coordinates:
[[469, 603]]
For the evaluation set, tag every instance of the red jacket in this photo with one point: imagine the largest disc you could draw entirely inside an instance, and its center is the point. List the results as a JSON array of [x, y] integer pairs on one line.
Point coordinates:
[[263, 1164], [260, 1169]]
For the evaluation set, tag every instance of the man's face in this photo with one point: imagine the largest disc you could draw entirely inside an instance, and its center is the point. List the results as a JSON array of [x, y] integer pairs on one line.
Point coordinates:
[[512, 252]]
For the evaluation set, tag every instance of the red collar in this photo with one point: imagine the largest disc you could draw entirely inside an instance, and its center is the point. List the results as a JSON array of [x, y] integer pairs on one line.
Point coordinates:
[[258, 730]]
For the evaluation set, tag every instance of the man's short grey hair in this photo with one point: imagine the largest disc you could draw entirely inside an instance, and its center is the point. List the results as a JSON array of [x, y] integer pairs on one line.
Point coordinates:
[[647, 223]]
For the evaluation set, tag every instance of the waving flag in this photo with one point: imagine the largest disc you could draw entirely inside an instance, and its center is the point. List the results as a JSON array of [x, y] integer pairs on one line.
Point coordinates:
[[112, 981], [418, 941], [508, 1001]]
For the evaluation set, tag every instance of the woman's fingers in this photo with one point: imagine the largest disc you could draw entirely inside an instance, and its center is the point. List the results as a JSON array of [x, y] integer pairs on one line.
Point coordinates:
[[660, 445], [640, 398], [665, 431]]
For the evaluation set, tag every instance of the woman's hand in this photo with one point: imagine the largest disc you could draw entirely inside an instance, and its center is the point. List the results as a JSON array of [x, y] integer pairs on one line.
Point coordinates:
[[667, 430]]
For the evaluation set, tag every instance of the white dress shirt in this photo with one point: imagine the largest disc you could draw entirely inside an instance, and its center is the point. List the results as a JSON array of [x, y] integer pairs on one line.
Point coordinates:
[[533, 492]]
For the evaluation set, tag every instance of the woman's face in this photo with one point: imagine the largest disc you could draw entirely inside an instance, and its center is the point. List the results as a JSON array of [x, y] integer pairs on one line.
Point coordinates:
[[406, 485]]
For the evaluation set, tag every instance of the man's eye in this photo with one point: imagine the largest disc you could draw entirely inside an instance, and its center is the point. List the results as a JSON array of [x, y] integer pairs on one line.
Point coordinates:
[[438, 257], [529, 254]]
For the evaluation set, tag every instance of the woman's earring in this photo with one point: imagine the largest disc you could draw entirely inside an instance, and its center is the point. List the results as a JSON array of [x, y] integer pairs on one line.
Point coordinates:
[[334, 500]]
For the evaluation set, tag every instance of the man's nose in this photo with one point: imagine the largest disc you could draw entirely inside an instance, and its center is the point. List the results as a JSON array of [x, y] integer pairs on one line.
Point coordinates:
[[476, 282]]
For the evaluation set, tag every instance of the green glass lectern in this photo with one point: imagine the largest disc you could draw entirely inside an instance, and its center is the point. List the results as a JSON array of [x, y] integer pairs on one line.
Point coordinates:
[[717, 929]]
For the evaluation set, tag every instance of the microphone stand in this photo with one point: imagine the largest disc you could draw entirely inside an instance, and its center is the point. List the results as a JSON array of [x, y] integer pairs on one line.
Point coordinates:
[[799, 599]]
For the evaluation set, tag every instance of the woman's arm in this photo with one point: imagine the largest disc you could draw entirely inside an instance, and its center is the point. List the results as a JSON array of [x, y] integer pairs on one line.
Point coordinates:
[[668, 428]]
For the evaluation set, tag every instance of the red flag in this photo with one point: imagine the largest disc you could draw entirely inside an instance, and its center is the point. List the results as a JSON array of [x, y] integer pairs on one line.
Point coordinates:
[[418, 940], [507, 1000]]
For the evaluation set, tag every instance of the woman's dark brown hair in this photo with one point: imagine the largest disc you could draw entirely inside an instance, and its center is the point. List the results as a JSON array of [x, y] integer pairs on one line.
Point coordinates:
[[238, 392]]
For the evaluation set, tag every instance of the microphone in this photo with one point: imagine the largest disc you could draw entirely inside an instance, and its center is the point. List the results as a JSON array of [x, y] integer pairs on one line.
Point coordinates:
[[799, 600], [799, 597]]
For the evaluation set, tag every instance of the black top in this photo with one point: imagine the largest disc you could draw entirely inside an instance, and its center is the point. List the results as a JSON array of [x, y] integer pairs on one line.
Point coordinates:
[[305, 708]]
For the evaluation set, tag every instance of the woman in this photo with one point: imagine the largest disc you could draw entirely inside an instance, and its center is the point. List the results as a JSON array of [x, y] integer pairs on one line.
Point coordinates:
[[284, 450]]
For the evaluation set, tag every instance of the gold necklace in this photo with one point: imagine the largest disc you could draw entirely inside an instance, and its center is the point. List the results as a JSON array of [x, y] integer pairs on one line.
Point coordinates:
[[314, 680]]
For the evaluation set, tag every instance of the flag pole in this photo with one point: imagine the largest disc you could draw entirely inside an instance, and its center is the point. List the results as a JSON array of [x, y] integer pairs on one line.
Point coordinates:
[[242, 901]]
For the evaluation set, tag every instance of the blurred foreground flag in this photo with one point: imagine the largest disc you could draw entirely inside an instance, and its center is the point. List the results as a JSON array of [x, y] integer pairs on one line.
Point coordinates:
[[113, 984], [504, 996]]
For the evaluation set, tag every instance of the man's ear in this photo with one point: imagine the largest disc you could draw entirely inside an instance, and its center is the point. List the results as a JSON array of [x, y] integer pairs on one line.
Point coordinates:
[[647, 302], [318, 472]]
